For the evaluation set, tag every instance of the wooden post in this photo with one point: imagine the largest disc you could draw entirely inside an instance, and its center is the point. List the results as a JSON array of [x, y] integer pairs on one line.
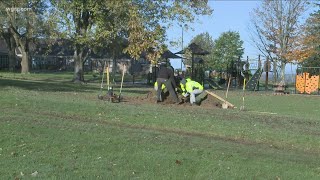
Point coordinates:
[[108, 76], [247, 69], [267, 73], [192, 66]]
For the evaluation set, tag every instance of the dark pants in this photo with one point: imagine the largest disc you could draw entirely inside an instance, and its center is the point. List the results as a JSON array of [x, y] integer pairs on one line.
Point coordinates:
[[169, 87]]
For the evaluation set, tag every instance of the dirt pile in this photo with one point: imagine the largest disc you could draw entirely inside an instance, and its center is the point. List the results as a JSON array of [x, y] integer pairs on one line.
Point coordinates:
[[151, 97]]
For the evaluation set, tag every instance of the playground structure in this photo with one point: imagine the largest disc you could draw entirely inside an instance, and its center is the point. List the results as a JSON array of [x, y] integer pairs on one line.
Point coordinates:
[[237, 71], [214, 85], [197, 73], [253, 82], [307, 80], [238, 74]]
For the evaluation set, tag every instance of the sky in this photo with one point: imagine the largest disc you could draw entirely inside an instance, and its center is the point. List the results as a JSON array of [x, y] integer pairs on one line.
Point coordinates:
[[227, 16]]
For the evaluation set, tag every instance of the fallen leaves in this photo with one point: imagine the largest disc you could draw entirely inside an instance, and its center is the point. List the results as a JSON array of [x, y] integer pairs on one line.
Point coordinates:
[[178, 162], [34, 174]]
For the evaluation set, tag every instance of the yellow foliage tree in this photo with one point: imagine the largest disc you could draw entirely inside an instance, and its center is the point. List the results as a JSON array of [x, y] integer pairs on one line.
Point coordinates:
[[307, 45]]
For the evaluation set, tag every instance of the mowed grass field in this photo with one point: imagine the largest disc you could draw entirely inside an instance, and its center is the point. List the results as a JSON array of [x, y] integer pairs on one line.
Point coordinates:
[[51, 128]]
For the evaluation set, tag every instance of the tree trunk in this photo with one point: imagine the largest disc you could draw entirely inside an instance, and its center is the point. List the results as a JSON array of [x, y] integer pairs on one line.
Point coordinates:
[[24, 62], [114, 69], [78, 66], [114, 65], [274, 71], [23, 45], [283, 71], [12, 53], [12, 60]]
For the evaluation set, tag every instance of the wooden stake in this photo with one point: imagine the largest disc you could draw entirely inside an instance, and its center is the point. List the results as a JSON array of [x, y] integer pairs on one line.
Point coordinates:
[[228, 88], [108, 78]]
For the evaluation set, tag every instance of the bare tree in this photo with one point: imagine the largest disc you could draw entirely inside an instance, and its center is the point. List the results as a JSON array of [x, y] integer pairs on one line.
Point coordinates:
[[275, 27]]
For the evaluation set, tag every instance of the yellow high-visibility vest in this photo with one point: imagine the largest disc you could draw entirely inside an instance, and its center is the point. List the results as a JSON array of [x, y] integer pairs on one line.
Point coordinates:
[[156, 86], [190, 85]]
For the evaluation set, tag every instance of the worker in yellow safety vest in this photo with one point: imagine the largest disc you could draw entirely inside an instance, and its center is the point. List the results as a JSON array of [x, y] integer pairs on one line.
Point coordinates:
[[191, 88]]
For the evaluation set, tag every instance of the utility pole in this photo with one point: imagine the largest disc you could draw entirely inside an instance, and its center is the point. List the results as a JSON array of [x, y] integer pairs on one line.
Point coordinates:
[[259, 69], [181, 46]]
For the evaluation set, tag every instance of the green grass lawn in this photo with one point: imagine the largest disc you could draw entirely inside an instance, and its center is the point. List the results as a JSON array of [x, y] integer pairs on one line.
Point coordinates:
[[52, 128]]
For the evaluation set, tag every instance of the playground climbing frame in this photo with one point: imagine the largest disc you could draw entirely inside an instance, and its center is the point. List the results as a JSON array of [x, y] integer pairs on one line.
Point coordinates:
[[306, 83]]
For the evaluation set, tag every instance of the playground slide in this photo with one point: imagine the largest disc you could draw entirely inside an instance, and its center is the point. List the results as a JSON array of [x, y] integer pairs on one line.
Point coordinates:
[[253, 81], [212, 84]]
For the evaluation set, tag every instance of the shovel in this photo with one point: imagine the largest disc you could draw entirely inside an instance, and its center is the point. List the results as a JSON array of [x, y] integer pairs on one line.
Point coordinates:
[[244, 88], [110, 89], [101, 87], [124, 67]]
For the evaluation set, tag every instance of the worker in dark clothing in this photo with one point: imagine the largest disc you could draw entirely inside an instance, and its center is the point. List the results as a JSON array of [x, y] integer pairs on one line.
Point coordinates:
[[166, 77]]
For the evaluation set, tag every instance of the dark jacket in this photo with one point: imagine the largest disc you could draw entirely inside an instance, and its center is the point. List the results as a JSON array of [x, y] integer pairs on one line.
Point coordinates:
[[163, 72], [166, 73]]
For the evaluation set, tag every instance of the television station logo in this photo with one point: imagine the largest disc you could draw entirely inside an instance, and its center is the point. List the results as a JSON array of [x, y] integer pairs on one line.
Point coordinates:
[[17, 9]]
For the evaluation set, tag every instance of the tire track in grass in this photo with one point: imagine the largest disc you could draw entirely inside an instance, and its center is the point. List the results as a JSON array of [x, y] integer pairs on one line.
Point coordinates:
[[180, 132]]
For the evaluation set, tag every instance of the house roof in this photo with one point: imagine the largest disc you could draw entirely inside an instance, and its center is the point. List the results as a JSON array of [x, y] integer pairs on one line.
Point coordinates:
[[65, 47], [168, 54], [55, 47], [59, 47], [195, 49]]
